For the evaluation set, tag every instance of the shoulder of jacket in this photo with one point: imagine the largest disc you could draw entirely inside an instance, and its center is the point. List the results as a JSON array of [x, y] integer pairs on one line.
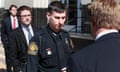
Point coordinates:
[[41, 32], [64, 31]]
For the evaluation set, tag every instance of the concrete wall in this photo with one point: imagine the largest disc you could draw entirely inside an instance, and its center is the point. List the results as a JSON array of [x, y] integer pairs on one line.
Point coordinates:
[[18, 3], [31, 3], [1, 3], [40, 3], [85, 1]]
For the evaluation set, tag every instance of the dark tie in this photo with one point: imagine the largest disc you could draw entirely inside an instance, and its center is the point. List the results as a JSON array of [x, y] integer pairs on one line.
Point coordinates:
[[29, 34]]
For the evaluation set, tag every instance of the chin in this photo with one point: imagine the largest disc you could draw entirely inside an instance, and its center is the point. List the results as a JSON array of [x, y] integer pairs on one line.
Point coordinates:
[[27, 24]]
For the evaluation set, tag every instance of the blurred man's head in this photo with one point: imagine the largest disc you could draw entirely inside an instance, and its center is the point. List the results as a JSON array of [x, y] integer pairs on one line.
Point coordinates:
[[56, 15], [25, 15], [13, 10], [105, 14]]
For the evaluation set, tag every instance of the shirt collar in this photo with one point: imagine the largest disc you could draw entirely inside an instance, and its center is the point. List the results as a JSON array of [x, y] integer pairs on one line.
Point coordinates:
[[13, 17], [22, 25], [105, 32], [53, 32]]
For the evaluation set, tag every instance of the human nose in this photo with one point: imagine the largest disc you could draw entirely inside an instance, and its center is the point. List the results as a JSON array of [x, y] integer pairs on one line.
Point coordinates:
[[61, 21]]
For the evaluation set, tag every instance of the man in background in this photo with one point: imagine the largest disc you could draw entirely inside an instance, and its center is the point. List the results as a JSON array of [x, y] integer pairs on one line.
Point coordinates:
[[19, 39], [9, 24]]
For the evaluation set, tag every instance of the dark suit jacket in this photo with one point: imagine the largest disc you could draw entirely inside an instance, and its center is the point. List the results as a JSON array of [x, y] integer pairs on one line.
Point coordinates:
[[102, 56], [6, 29], [18, 48]]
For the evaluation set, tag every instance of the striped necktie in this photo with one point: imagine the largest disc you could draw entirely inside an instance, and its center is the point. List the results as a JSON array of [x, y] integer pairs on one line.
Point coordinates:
[[14, 24], [29, 34]]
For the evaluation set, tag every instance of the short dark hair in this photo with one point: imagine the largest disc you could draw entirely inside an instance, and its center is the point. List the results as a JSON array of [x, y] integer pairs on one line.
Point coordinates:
[[56, 6], [24, 7], [11, 6]]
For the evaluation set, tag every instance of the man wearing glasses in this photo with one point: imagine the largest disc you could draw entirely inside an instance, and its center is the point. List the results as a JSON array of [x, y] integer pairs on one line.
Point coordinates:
[[19, 39]]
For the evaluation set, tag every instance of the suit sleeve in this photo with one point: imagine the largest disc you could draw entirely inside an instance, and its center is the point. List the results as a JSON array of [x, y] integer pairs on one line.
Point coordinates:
[[13, 50], [4, 36], [73, 65], [32, 63]]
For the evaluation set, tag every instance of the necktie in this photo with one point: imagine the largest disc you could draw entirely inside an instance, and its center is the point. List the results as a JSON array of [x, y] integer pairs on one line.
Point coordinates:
[[29, 34], [14, 23]]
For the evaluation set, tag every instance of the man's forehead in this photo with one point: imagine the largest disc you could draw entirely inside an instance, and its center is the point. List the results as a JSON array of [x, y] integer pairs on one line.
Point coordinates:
[[60, 14], [25, 12]]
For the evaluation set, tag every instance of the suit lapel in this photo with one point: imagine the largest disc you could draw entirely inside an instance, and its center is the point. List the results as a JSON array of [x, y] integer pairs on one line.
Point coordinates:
[[22, 35], [34, 30], [9, 20], [8, 23]]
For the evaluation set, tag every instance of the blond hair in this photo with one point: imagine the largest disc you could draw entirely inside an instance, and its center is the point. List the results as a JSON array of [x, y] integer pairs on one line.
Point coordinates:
[[106, 13]]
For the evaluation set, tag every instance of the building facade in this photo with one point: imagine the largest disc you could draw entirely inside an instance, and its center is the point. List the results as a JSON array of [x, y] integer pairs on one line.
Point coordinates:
[[78, 16]]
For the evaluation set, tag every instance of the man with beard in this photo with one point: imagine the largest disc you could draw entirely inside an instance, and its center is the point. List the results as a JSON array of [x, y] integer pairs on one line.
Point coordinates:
[[50, 48]]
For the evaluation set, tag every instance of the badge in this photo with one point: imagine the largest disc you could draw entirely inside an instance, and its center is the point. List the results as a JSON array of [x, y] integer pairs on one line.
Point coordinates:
[[49, 52], [69, 42], [66, 41], [33, 49]]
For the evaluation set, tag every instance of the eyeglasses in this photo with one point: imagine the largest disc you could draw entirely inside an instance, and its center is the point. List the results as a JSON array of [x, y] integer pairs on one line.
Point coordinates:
[[26, 15]]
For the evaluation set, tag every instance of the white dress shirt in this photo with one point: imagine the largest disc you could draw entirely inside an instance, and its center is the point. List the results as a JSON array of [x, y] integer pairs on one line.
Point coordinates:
[[105, 32], [26, 32], [12, 19]]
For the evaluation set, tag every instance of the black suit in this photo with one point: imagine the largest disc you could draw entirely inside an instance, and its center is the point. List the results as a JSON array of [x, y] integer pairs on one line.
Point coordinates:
[[18, 47], [6, 30], [102, 56]]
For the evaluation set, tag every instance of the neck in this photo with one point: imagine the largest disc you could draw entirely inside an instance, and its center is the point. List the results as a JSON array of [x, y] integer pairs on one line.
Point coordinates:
[[13, 15], [25, 25], [56, 31], [104, 30]]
